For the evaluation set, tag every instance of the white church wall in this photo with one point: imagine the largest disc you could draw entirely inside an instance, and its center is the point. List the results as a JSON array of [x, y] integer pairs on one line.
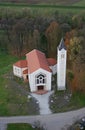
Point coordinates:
[[48, 84], [61, 70], [54, 69], [32, 80], [18, 71]]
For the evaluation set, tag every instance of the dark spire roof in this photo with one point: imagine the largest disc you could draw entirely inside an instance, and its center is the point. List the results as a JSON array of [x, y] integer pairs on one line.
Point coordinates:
[[62, 45]]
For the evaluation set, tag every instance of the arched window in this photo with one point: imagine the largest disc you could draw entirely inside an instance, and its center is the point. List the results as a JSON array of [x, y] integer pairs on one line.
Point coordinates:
[[40, 79]]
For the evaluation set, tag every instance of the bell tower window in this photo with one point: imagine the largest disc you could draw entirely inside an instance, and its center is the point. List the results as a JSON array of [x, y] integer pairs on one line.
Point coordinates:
[[62, 56]]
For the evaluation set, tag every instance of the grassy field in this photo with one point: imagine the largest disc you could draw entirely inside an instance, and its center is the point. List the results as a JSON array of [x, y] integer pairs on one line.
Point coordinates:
[[19, 127], [71, 103], [58, 2], [80, 3], [46, 10], [40, 9], [13, 101], [80, 6], [5, 65], [43, 12]]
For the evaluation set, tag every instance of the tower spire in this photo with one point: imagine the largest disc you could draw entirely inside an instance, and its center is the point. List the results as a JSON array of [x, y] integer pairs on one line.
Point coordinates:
[[61, 66], [62, 45]]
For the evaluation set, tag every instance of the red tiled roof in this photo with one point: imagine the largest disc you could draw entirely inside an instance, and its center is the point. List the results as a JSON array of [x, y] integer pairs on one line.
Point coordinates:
[[51, 61], [21, 64], [36, 60], [25, 71]]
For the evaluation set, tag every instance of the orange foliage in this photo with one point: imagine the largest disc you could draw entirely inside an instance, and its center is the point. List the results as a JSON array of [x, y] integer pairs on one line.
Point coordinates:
[[53, 35], [67, 41], [69, 35], [78, 82]]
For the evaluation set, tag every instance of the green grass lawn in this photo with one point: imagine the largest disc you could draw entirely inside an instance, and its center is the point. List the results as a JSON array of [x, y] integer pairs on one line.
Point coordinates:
[[76, 101], [79, 98], [12, 100], [19, 127], [58, 2], [43, 12], [43, 8], [6, 62], [80, 3]]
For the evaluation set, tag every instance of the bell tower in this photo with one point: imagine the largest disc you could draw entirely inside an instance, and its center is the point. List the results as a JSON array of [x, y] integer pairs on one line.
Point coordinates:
[[61, 66]]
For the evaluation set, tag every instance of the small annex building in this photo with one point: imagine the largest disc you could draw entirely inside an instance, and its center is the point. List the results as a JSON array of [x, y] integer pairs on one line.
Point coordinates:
[[37, 70]]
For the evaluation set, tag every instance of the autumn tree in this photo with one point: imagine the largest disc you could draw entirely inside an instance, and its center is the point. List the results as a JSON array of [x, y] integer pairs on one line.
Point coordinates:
[[77, 55], [76, 44], [53, 34], [77, 21]]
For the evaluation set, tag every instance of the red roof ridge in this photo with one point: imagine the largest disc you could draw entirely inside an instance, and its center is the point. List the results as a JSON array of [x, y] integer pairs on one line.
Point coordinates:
[[21, 63], [37, 59], [34, 50], [51, 61]]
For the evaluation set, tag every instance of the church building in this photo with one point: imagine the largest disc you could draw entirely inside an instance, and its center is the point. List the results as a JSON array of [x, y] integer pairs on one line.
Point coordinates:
[[38, 70]]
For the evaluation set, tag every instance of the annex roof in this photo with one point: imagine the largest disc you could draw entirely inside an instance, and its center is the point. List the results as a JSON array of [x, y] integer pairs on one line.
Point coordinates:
[[51, 61], [25, 71], [21, 64], [36, 59]]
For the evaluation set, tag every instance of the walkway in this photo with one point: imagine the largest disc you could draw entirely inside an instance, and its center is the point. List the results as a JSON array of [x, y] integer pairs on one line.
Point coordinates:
[[58, 121], [43, 101]]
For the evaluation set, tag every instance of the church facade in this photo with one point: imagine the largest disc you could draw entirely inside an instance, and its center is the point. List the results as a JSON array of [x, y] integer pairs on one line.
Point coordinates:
[[38, 70]]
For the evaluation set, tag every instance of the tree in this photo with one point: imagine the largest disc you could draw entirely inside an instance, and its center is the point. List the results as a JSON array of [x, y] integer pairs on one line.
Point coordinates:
[[77, 21], [53, 34], [65, 28], [70, 77], [77, 55], [36, 39], [66, 18], [18, 34], [43, 41], [75, 47]]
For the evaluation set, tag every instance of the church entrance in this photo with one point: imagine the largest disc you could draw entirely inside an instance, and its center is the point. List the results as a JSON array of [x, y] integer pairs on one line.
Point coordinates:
[[40, 81], [40, 87]]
